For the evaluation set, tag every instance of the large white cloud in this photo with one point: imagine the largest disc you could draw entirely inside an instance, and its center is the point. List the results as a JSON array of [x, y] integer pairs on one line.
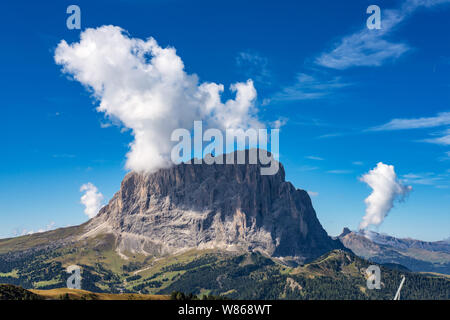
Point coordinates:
[[92, 199], [146, 87], [386, 188]]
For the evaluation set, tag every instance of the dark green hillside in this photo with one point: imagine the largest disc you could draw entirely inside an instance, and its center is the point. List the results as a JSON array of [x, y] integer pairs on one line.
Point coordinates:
[[337, 275], [10, 292]]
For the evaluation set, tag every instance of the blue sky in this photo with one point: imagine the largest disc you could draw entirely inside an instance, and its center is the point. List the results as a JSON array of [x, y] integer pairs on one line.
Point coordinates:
[[336, 85]]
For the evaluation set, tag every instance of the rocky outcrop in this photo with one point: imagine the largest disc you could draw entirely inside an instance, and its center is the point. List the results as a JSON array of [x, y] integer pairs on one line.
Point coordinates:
[[230, 207]]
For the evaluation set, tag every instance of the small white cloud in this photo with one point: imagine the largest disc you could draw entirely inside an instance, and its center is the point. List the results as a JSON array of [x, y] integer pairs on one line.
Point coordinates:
[[23, 232], [386, 188], [411, 176], [308, 87], [314, 158], [370, 47], [339, 171], [313, 194], [104, 125], [51, 225], [444, 139], [358, 163], [254, 65], [277, 124], [92, 199], [440, 119], [307, 168], [330, 135], [427, 179]]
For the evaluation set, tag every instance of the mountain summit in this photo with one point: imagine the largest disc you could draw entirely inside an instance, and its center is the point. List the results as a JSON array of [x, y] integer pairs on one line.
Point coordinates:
[[221, 206]]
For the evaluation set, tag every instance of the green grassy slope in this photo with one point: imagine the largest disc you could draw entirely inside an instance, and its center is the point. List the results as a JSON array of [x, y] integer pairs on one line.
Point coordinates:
[[37, 239]]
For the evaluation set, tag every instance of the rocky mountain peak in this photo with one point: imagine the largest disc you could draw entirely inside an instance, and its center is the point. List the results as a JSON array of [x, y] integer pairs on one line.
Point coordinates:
[[220, 206], [345, 232]]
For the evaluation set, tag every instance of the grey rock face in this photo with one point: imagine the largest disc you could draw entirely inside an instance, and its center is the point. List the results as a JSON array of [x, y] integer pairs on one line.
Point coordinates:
[[231, 207]]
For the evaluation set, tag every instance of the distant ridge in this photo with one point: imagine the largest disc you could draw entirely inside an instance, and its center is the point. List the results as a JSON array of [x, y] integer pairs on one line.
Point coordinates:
[[415, 255]]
